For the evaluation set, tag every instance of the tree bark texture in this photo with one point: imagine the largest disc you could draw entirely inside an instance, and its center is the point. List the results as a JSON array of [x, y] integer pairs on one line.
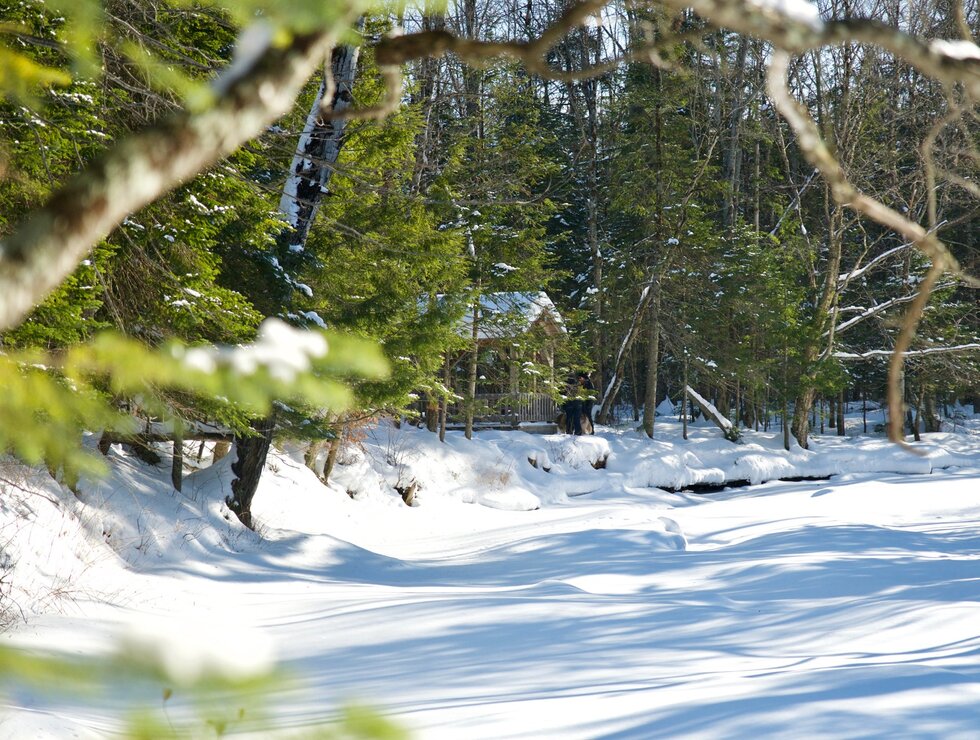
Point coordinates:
[[250, 456], [317, 153], [653, 357], [177, 466], [332, 454]]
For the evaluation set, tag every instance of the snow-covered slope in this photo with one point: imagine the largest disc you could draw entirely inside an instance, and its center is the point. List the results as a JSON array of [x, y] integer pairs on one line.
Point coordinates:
[[540, 587]]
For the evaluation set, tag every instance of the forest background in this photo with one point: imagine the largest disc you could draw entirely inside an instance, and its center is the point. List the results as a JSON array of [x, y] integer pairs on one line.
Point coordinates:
[[627, 158]]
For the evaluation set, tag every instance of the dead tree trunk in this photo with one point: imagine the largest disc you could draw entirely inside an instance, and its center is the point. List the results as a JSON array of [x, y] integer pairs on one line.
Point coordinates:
[[710, 412]]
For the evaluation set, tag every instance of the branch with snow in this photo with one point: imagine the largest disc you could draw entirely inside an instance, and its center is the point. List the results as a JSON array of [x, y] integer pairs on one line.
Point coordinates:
[[846, 277], [871, 354], [879, 308], [284, 351]]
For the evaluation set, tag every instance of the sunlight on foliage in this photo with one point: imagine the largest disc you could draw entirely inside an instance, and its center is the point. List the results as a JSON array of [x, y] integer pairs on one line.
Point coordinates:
[[79, 26], [49, 401], [19, 76], [196, 94]]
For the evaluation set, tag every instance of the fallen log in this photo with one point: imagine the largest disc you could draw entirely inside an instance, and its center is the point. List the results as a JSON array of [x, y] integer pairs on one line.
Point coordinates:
[[729, 430]]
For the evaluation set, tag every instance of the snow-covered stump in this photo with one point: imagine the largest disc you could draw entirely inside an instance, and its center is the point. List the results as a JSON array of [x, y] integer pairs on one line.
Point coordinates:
[[729, 430]]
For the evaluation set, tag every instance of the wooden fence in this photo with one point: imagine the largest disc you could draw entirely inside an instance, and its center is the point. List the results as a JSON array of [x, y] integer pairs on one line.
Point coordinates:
[[503, 409]]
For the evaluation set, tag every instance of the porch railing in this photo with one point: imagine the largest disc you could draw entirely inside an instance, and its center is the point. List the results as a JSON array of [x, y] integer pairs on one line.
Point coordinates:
[[503, 409]]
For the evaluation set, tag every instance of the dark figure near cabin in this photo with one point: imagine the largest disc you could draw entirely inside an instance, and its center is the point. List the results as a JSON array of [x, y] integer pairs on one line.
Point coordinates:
[[576, 416], [572, 406], [587, 393]]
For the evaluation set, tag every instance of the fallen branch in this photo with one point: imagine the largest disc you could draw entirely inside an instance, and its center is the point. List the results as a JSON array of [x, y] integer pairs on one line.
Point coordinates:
[[731, 431]]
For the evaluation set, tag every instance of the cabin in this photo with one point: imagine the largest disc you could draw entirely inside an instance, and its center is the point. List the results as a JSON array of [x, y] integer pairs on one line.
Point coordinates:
[[517, 336], [515, 331]]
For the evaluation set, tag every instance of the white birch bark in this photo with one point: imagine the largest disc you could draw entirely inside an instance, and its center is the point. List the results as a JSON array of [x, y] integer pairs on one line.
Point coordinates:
[[318, 149]]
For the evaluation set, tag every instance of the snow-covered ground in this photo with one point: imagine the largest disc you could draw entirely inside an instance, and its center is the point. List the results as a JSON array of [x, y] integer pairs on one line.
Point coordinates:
[[528, 594]]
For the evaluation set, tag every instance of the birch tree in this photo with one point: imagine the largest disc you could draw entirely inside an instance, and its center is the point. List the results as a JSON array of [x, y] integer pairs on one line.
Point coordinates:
[[306, 184]]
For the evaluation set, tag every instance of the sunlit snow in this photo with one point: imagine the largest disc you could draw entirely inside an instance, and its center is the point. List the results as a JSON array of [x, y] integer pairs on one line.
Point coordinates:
[[529, 593]]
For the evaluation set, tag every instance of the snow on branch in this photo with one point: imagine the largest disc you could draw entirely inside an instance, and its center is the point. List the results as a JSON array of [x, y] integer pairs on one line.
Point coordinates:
[[877, 309], [285, 352], [709, 409], [871, 354], [793, 25], [846, 277], [731, 432]]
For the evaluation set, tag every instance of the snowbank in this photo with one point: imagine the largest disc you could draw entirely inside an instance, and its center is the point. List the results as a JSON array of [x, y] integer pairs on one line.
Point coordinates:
[[671, 608]]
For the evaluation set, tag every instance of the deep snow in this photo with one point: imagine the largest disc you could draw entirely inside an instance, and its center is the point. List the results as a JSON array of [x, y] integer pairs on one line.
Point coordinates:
[[528, 594]]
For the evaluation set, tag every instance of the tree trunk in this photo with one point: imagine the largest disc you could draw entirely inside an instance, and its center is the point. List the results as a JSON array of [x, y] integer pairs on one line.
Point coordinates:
[[332, 453], [801, 415], [684, 399], [724, 403], [653, 354], [918, 417], [634, 388], [864, 409], [616, 379], [177, 468], [431, 412], [584, 105], [932, 420], [718, 418], [426, 141], [841, 424], [309, 175], [733, 153], [444, 404], [250, 456], [316, 157], [785, 424], [221, 448], [473, 369], [312, 454]]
